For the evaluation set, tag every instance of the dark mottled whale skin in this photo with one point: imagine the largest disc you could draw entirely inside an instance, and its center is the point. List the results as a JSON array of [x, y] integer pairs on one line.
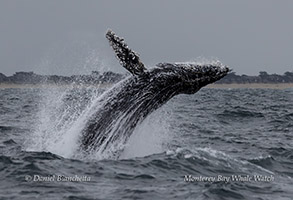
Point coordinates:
[[129, 102]]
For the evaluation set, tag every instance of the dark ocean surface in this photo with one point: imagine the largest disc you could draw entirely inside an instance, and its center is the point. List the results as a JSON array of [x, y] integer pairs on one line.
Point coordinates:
[[215, 144]]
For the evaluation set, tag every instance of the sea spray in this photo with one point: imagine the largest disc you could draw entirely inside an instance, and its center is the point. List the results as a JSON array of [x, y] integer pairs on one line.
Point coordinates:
[[59, 119], [63, 113]]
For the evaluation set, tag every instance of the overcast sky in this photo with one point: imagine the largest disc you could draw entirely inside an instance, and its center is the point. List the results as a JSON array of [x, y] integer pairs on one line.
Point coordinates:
[[67, 36]]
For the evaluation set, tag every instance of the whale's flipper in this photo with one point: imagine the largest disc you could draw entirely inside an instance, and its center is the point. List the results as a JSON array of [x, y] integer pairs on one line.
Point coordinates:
[[127, 58]]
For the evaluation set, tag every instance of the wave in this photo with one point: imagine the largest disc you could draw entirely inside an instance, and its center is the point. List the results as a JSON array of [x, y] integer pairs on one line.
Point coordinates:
[[7, 128], [240, 113]]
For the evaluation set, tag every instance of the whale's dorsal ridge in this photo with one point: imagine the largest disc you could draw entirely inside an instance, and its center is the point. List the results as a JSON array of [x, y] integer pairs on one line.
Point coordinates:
[[127, 58]]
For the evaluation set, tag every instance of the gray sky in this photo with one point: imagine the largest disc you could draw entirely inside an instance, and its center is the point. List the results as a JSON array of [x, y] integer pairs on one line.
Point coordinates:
[[67, 37]]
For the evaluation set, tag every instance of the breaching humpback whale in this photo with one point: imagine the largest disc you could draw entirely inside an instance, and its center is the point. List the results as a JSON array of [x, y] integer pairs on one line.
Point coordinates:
[[128, 102]]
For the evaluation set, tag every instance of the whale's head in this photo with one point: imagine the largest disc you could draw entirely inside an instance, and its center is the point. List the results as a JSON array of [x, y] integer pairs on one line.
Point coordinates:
[[190, 77]]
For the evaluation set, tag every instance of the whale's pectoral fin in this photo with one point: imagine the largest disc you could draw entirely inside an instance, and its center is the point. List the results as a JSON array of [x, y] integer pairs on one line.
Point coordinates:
[[127, 58]]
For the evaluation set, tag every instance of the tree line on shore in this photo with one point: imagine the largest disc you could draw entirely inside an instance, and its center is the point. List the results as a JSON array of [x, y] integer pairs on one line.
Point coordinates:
[[263, 77], [31, 78], [110, 77]]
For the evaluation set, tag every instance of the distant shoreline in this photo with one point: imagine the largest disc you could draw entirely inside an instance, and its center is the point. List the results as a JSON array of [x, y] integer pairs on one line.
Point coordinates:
[[107, 85], [231, 80], [13, 85], [252, 85]]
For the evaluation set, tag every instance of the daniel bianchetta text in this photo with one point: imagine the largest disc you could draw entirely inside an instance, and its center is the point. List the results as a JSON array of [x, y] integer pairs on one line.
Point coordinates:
[[57, 178], [232, 178]]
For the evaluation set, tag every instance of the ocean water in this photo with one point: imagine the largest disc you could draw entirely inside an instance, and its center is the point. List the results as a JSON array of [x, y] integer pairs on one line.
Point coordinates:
[[215, 144]]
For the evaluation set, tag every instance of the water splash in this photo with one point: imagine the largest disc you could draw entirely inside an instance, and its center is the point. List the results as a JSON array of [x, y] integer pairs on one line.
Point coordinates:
[[64, 112], [60, 119], [150, 137]]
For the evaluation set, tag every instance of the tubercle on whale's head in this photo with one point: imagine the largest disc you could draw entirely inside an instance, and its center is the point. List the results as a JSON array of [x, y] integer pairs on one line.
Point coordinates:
[[193, 76]]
